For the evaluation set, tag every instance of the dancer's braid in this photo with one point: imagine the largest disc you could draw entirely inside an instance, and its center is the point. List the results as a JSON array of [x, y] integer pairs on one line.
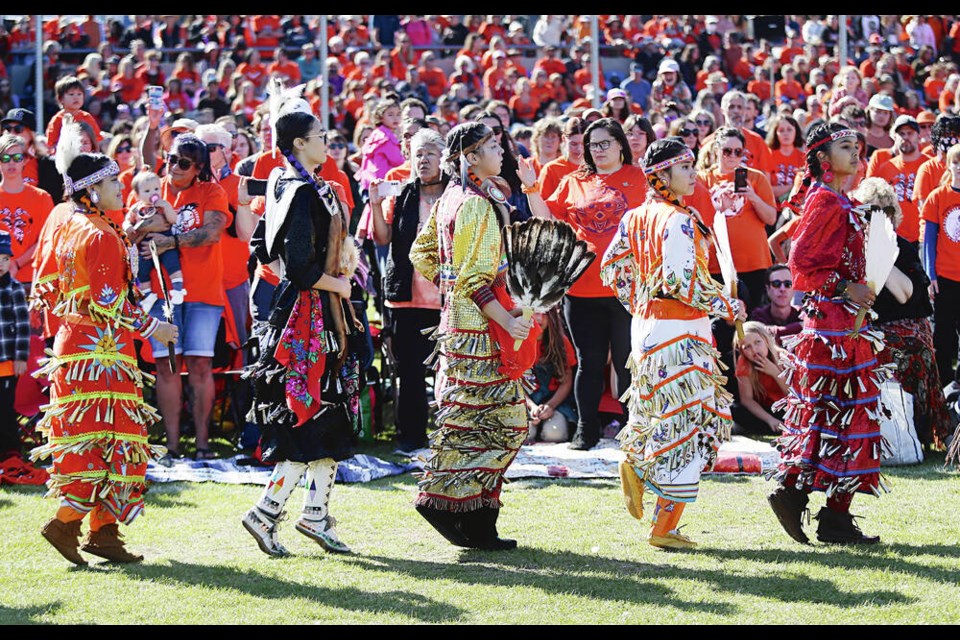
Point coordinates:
[[94, 209]]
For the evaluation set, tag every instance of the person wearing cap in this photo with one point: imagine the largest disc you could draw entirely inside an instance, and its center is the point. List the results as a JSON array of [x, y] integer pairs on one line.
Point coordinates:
[[943, 135], [901, 172], [880, 116], [495, 84], [710, 41], [211, 96], [669, 87], [23, 123], [617, 106], [14, 348], [23, 208], [637, 87]]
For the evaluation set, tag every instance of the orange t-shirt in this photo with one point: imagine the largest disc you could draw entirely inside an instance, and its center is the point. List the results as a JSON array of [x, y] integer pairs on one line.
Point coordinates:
[[784, 169], [436, 81], [260, 23], [932, 89], [401, 173], [903, 177], [56, 124], [523, 111], [793, 91], [748, 233], [22, 216], [761, 89], [202, 266], [255, 73], [594, 207], [552, 174], [943, 208], [929, 177], [879, 158], [130, 88], [291, 70], [235, 251]]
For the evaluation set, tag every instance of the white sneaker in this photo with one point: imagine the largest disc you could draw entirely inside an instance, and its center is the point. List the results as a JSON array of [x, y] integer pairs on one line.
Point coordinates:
[[265, 530], [323, 533], [177, 297], [147, 303]]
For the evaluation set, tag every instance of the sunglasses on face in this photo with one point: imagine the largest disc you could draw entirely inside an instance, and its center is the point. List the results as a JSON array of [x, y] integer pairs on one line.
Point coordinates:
[[684, 133], [781, 284], [124, 149], [184, 164], [703, 123], [7, 158], [15, 128], [337, 146], [736, 153], [601, 145]]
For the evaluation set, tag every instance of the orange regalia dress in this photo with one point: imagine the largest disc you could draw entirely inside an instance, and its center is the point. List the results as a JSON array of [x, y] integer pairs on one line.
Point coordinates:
[[96, 423], [482, 415], [679, 411]]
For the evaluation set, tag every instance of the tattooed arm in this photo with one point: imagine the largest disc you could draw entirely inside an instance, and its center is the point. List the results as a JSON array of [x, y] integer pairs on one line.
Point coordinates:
[[214, 224]]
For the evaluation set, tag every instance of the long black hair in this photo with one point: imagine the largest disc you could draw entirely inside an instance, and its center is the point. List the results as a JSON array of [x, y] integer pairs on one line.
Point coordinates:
[[84, 165], [190, 146], [508, 171], [459, 139], [661, 151], [612, 127]]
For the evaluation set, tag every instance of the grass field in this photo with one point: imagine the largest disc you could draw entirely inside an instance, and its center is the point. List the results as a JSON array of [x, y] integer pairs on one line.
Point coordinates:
[[582, 560]]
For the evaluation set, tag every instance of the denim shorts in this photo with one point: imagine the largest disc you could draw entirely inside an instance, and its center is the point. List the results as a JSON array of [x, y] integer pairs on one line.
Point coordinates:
[[198, 324]]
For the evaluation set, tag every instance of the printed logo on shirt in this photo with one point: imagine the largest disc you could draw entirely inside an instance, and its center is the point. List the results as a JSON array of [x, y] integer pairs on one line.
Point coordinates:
[[951, 224], [188, 218], [603, 213], [785, 174], [17, 221], [903, 184], [726, 201]]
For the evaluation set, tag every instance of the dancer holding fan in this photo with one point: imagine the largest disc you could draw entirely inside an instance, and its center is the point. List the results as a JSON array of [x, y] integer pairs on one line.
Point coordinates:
[[482, 418], [679, 411]]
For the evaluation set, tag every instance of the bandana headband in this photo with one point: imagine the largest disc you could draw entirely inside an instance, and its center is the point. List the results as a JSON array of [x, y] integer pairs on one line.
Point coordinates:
[[71, 187], [846, 133], [686, 156]]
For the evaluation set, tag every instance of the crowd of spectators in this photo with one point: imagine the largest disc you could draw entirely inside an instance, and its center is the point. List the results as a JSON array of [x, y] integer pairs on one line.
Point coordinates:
[[186, 97]]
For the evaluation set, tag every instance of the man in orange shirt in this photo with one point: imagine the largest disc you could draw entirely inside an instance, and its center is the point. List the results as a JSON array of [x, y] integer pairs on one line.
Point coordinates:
[[944, 135], [495, 84], [432, 75], [901, 172], [788, 90], [284, 67], [550, 63], [554, 172], [266, 31], [734, 105]]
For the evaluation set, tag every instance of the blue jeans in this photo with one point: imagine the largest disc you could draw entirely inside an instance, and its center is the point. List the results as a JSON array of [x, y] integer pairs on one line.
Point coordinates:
[[198, 324]]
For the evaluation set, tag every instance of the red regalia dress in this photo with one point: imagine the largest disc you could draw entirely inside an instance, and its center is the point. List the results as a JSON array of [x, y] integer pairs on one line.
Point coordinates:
[[832, 440]]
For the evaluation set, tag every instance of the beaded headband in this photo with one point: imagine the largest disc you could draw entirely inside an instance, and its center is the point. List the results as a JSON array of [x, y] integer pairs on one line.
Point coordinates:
[[686, 156], [846, 133], [71, 187]]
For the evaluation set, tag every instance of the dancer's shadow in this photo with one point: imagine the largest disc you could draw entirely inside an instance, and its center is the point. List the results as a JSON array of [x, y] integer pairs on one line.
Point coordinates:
[[27, 615], [621, 580], [5, 504], [891, 558], [259, 585]]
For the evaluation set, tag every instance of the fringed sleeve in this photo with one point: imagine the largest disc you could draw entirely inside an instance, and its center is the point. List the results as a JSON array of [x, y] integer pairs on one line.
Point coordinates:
[[686, 273], [818, 246], [425, 252], [618, 269], [477, 251]]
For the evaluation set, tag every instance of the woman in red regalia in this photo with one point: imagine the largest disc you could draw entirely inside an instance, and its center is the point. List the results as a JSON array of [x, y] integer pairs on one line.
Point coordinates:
[[831, 440]]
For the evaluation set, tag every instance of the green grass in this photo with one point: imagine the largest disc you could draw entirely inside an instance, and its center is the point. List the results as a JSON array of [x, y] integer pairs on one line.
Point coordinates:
[[583, 560]]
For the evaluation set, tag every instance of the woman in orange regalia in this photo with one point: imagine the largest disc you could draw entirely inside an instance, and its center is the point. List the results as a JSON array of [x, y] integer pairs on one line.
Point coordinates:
[[96, 422]]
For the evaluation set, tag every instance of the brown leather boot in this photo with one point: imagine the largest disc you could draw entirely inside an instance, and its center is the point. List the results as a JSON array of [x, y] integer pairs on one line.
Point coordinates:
[[108, 544], [65, 538]]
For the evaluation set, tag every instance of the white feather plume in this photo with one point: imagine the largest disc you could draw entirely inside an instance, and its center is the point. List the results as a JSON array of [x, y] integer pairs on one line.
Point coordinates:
[[283, 101], [724, 254], [69, 147]]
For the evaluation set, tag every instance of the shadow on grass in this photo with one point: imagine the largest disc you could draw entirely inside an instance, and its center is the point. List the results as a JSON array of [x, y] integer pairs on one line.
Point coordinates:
[[27, 615], [258, 585], [893, 558], [5, 504], [620, 580]]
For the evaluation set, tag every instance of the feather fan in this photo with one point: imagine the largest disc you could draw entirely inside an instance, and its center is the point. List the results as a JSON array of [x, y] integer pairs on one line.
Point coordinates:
[[545, 259], [882, 254]]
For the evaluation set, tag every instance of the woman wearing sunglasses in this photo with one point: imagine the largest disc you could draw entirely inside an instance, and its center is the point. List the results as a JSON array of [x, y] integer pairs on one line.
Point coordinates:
[[749, 210], [203, 212], [23, 207], [593, 200]]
